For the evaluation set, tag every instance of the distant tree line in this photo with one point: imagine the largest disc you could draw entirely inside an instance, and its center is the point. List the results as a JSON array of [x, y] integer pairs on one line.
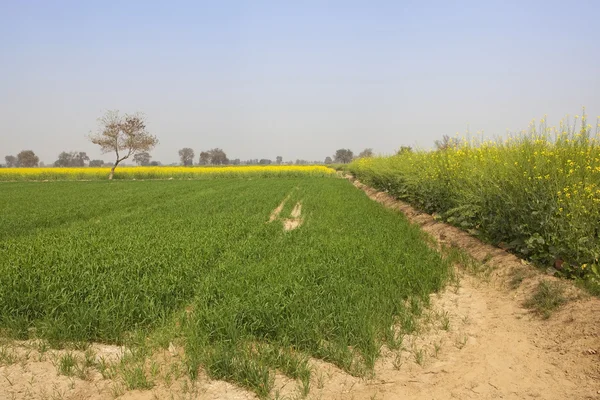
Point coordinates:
[[25, 159], [216, 156], [344, 156], [70, 159], [126, 136]]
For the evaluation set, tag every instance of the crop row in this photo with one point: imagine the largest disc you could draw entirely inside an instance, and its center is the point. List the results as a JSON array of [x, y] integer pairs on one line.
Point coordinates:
[[87, 173]]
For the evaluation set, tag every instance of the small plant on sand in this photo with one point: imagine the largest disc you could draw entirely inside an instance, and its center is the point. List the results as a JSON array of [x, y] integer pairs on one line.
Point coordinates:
[[437, 347], [445, 321], [7, 357], [66, 364], [135, 378], [419, 356]]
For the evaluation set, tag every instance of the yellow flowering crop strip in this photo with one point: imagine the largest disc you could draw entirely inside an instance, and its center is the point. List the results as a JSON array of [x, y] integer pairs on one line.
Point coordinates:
[[42, 174], [536, 192]]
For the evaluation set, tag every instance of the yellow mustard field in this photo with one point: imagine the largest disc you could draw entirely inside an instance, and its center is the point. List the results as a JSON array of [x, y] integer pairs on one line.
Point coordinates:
[[86, 173], [536, 193]]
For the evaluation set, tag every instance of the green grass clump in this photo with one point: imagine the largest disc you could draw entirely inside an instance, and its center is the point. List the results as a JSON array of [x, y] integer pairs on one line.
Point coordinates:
[[7, 356], [67, 364], [135, 377], [536, 193], [546, 298], [197, 263]]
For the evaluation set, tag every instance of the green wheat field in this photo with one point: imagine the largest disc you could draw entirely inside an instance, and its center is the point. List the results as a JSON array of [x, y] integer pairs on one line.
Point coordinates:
[[207, 265]]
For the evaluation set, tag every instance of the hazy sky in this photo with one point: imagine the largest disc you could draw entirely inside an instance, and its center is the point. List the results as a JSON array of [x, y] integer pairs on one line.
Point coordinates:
[[292, 78]]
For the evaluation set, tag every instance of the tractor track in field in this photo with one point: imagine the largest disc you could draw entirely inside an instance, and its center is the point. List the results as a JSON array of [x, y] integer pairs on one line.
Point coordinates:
[[294, 221], [476, 342]]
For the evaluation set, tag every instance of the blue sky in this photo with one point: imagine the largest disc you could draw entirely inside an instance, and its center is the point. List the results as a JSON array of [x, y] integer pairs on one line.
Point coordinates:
[[297, 79]]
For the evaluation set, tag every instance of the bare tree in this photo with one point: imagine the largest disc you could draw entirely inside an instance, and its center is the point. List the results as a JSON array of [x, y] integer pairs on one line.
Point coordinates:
[[186, 155], [27, 159], [366, 153], [11, 161], [218, 157], [142, 158], [343, 156], [204, 158], [125, 135]]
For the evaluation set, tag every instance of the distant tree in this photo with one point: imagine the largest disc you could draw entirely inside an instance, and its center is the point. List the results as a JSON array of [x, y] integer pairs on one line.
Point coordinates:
[[155, 163], [27, 159], [264, 161], [64, 160], [71, 159], [404, 150], [343, 156], [366, 153], [142, 158], [279, 159], [446, 143], [218, 157], [186, 155], [328, 160], [11, 161], [96, 163], [236, 161], [80, 159], [204, 158], [125, 135]]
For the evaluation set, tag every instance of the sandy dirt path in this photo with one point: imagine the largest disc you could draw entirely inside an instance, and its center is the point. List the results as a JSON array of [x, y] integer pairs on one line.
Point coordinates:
[[493, 349]]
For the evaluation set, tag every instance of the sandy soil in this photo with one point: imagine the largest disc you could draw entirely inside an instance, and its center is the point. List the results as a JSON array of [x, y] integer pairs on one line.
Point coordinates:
[[476, 342], [289, 224], [275, 213], [295, 220]]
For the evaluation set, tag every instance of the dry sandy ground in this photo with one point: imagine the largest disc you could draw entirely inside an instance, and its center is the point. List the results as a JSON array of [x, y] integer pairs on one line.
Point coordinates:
[[476, 342]]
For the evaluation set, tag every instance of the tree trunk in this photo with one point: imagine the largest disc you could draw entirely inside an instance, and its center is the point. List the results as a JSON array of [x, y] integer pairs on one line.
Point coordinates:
[[112, 171]]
